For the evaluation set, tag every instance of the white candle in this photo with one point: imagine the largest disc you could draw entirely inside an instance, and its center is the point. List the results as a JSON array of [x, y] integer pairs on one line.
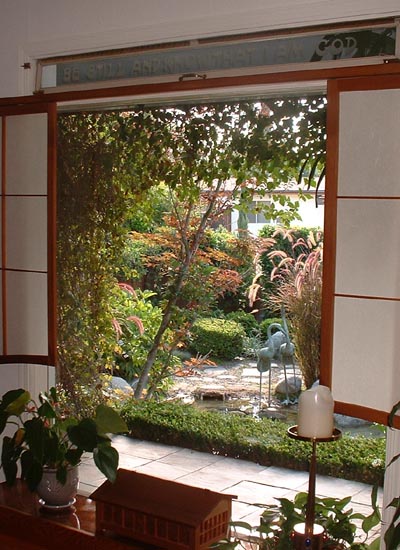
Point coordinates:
[[315, 413]]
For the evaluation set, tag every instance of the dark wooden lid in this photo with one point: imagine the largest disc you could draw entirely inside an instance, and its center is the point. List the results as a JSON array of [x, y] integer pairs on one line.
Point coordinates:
[[160, 497]]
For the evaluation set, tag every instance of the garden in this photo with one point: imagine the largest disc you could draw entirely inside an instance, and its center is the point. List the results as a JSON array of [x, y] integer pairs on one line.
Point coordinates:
[[153, 283], [151, 280]]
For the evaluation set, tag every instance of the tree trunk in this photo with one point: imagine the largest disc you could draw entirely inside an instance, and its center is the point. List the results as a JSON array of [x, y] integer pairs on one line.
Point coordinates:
[[189, 253], [166, 318]]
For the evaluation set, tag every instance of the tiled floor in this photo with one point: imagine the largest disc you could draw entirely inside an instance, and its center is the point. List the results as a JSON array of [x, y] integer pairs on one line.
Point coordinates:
[[250, 482]]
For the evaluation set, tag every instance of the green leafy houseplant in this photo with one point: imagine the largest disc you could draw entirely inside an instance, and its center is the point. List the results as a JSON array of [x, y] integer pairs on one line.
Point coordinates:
[[277, 522], [46, 437]]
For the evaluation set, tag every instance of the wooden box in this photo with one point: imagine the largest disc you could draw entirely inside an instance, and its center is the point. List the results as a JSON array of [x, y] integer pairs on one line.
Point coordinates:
[[164, 513]]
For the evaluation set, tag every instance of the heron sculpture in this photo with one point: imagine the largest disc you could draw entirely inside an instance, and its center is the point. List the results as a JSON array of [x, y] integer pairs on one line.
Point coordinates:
[[278, 349]]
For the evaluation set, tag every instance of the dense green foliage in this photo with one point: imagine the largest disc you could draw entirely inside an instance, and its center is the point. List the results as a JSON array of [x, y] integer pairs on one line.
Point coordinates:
[[262, 441], [265, 324], [246, 320], [92, 205], [136, 321], [149, 214], [344, 527], [220, 338]]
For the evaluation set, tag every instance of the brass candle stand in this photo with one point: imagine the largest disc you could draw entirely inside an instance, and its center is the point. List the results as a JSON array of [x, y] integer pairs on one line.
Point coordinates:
[[310, 535]]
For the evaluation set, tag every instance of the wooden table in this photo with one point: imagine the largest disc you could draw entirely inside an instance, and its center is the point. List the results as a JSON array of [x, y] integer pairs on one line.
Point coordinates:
[[24, 525]]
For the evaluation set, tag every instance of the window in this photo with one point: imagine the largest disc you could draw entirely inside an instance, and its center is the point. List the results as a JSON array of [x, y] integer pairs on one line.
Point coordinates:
[[256, 215]]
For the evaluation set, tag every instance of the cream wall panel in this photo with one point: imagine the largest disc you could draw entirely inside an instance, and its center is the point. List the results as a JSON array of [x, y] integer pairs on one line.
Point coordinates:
[[127, 21], [26, 233], [367, 240], [36, 378], [27, 313], [366, 352], [369, 160], [26, 163], [366, 343]]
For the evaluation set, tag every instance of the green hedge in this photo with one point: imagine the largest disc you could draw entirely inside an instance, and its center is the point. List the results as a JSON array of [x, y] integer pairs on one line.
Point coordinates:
[[246, 320], [264, 325], [262, 441], [220, 338]]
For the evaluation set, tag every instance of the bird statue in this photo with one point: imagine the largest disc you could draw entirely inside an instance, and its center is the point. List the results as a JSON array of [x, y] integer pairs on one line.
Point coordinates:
[[278, 348]]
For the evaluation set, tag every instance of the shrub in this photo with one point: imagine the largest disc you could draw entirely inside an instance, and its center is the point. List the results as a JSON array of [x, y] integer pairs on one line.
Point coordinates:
[[264, 441], [219, 337], [136, 322], [265, 324], [246, 320]]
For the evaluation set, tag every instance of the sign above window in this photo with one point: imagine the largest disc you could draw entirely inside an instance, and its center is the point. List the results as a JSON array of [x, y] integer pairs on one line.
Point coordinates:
[[211, 59]]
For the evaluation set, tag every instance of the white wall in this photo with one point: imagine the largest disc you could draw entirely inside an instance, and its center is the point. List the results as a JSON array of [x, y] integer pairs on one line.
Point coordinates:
[[310, 217], [32, 29], [34, 378]]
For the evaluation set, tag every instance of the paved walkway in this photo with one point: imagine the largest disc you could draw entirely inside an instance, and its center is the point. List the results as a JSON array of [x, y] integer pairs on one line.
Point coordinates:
[[250, 482]]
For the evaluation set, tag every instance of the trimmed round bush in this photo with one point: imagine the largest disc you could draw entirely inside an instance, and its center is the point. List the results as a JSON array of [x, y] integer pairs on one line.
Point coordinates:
[[220, 338]]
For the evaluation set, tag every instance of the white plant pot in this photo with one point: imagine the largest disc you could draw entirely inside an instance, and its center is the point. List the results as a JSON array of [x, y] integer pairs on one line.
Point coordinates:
[[53, 493]]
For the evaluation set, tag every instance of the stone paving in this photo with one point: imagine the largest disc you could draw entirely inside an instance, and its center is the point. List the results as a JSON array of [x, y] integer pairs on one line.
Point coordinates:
[[249, 482], [234, 385]]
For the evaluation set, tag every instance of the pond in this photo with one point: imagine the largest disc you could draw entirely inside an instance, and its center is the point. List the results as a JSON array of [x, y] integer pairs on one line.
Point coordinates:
[[234, 388], [285, 413]]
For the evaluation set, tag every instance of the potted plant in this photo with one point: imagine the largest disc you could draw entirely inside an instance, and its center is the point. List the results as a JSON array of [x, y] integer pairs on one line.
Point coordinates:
[[277, 521], [47, 441]]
